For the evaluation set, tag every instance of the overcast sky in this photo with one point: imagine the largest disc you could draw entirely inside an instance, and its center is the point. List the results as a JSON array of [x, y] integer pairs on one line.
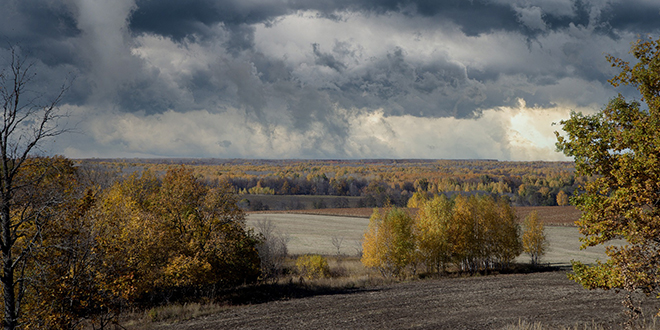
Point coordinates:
[[323, 78]]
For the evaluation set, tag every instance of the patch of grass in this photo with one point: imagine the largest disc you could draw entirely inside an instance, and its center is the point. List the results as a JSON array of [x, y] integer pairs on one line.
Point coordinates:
[[524, 325], [169, 314]]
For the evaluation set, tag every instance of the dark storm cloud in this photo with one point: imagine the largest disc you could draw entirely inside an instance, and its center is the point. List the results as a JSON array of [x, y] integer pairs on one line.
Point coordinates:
[[317, 93], [178, 19], [639, 17], [43, 29], [404, 87], [327, 59]]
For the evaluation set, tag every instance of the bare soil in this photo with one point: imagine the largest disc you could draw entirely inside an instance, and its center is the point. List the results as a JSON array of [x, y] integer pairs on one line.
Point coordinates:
[[478, 302]]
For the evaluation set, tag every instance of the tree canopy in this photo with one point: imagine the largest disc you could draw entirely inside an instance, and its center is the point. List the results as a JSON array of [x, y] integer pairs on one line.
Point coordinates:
[[619, 148]]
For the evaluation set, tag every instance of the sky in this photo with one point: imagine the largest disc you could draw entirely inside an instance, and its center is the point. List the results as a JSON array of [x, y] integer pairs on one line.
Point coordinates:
[[322, 79]]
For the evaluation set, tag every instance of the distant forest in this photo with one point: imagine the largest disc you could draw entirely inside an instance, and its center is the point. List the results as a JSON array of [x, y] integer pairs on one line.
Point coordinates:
[[368, 183]]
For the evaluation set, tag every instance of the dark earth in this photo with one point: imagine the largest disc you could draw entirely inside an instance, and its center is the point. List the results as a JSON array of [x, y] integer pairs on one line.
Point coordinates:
[[477, 302]]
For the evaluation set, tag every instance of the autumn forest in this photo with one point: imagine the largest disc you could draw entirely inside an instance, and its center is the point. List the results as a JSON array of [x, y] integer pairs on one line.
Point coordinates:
[[370, 183]]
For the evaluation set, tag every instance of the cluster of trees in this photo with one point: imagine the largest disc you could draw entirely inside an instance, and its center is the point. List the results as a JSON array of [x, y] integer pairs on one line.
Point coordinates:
[[141, 241], [470, 234], [78, 247], [390, 182]]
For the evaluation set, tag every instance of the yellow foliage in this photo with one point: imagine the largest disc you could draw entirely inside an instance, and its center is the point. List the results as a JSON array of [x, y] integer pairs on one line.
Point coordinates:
[[562, 198], [417, 200], [432, 229], [313, 266], [533, 238], [186, 271], [389, 243], [473, 233], [140, 238]]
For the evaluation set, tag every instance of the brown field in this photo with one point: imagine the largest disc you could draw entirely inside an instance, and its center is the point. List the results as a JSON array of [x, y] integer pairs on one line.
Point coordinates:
[[362, 212], [478, 302], [551, 215]]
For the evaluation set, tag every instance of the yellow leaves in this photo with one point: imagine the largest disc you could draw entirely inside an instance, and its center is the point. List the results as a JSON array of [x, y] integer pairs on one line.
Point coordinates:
[[432, 227], [312, 266], [533, 238], [562, 198], [389, 243], [186, 271], [600, 276], [119, 247], [418, 199], [472, 233]]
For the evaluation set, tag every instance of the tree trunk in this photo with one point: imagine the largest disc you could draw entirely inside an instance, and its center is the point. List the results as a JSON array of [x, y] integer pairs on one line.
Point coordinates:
[[7, 278]]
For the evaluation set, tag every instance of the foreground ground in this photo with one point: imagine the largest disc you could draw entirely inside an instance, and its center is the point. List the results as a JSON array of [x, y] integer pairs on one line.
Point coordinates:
[[478, 302], [482, 302]]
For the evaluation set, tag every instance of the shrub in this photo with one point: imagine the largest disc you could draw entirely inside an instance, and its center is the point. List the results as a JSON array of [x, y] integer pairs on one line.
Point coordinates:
[[313, 266]]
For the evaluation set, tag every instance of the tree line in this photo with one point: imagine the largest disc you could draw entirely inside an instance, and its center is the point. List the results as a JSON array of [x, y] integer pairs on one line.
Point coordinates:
[[387, 182]]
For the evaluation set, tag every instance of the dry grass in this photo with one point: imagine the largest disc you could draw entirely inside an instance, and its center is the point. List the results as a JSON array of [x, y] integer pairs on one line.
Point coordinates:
[[524, 325], [169, 314], [346, 274]]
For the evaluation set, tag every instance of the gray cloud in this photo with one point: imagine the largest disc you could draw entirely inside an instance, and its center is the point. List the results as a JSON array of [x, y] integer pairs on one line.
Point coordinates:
[[327, 59], [203, 55]]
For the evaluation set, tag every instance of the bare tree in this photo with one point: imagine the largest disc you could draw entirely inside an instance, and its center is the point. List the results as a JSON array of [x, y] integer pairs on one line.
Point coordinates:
[[337, 241], [272, 250], [357, 245], [27, 120]]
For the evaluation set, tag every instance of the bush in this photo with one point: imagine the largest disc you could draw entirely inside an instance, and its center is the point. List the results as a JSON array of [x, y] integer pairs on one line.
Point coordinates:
[[313, 266]]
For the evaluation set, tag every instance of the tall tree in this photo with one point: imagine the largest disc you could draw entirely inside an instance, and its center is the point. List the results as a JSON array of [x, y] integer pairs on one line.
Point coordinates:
[[389, 243], [27, 120], [619, 147], [534, 241]]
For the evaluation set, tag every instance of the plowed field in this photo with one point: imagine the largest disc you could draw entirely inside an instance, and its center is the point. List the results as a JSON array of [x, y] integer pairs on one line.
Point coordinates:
[[487, 302]]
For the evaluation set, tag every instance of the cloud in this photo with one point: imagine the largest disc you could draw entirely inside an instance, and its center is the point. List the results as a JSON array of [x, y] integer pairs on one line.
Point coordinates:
[[513, 133], [532, 17], [324, 79]]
